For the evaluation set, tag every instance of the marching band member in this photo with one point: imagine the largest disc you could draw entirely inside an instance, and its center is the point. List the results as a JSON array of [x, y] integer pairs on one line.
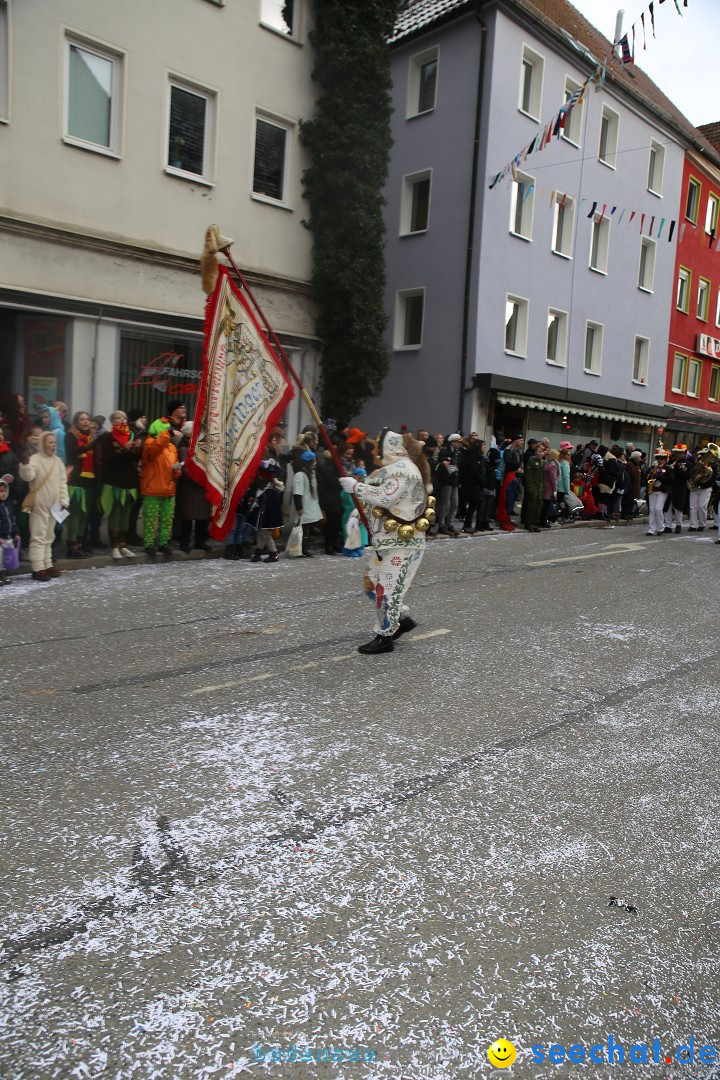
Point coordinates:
[[700, 484], [658, 484]]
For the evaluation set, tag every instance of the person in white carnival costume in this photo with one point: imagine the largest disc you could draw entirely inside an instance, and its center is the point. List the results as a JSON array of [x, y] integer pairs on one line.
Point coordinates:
[[398, 495]]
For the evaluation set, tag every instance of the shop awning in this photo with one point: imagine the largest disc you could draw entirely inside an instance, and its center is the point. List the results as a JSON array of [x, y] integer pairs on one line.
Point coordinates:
[[578, 410]]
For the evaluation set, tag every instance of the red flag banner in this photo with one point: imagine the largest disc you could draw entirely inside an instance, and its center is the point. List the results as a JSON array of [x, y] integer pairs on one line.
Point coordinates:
[[243, 393]]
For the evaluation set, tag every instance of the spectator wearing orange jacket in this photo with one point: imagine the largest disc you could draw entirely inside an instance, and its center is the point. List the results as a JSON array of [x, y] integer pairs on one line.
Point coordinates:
[[160, 471]]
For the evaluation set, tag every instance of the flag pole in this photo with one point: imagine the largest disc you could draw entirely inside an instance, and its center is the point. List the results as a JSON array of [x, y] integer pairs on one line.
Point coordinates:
[[303, 392]]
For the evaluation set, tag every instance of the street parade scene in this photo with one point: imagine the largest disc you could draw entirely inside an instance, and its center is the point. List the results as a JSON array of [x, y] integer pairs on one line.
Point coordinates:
[[357, 562]]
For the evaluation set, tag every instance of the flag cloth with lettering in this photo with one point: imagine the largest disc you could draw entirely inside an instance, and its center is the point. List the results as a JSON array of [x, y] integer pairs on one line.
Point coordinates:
[[243, 393]]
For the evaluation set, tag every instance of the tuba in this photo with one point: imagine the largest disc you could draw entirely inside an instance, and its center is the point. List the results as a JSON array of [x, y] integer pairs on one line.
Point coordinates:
[[704, 467]]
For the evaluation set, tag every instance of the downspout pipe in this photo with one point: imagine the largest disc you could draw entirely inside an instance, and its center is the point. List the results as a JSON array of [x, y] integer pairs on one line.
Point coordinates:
[[479, 4]]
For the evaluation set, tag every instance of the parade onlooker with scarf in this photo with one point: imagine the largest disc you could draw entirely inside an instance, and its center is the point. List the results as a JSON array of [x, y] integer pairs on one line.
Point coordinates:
[[9, 531], [158, 480], [46, 475], [81, 482], [116, 456], [305, 497]]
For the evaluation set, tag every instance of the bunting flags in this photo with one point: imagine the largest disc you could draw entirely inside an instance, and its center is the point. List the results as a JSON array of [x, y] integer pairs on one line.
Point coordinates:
[[559, 122]]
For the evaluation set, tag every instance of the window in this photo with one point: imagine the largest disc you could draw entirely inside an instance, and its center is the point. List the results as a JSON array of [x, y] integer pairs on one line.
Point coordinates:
[[190, 130], [593, 348], [422, 83], [703, 299], [522, 206], [270, 162], [717, 309], [714, 389], [93, 96], [683, 290], [415, 203], [609, 128], [531, 80], [409, 314], [656, 167], [599, 243], [692, 205], [679, 373], [711, 214], [280, 15], [563, 222], [646, 275], [556, 344], [572, 131], [693, 378], [4, 62], [516, 325], [640, 360]]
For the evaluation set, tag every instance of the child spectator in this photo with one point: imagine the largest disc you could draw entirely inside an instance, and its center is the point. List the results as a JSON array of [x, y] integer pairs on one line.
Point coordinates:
[[158, 478], [46, 475]]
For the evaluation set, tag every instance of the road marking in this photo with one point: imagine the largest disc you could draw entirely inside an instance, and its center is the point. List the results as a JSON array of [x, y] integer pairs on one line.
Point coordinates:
[[613, 549], [307, 666]]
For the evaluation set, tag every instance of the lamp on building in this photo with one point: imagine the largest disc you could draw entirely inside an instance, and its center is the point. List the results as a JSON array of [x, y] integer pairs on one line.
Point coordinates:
[[566, 422]]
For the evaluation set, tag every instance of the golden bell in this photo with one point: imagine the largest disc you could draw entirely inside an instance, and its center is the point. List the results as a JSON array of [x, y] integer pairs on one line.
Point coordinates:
[[390, 525], [431, 501], [406, 532], [422, 524], [378, 512], [431, 516]]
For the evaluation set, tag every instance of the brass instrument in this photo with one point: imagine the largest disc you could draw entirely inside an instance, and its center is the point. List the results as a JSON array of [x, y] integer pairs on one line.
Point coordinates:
[[703, 470]]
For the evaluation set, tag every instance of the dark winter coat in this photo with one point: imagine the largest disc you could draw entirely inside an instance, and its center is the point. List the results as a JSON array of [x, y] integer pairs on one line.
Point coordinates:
[[75, 458], [534, 485], [680, 470], [9, 464], [329, 489], [115, 464], [447, 473], [190, 500]]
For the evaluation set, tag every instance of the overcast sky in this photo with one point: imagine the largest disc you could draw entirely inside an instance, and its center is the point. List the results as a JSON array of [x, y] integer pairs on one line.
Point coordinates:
[[682, 59]]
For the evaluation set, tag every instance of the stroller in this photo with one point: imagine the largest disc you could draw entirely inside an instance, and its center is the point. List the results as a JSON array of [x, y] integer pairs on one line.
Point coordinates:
[[570, 508]]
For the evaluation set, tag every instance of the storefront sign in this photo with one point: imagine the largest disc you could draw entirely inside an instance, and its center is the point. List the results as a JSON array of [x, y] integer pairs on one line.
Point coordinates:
[[164, 374], [42, 390], [708, 346]]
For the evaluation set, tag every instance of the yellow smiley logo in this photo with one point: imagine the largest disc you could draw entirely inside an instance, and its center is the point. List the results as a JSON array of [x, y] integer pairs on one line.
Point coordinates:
[[502, 1053]]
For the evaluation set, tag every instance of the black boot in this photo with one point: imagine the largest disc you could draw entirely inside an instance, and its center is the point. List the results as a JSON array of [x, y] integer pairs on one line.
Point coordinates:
[[377, 645], [230, 552], [257, 557], [406, 625], [272, 557], [307, 554]]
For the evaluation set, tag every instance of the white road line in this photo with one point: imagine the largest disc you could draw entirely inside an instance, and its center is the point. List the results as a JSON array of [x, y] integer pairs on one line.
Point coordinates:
[[614, 549], [307, 666]]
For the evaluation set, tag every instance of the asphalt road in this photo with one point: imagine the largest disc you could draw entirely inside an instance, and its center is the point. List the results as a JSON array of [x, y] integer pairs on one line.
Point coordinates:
[[228, 834]]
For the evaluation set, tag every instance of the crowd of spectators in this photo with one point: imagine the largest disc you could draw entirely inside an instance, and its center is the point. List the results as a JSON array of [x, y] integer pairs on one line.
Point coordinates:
[[64, 480]]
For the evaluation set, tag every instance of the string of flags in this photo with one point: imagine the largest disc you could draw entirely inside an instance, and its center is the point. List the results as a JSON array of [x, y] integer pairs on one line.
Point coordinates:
[[651, 225], [556, 126]]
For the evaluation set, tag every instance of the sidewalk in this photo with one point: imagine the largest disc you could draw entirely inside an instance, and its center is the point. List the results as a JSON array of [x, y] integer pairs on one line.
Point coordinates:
[[99, 559]]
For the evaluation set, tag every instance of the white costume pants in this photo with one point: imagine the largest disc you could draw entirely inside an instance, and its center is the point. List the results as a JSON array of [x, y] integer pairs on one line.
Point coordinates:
[[699, 499], [42, 534], [656, 524], [388, 578]]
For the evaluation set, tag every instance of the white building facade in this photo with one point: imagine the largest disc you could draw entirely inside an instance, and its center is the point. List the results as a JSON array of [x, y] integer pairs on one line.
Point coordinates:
[[125, 130]]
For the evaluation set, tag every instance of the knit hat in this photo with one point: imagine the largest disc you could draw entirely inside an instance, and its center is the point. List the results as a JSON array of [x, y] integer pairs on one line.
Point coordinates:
[[135, 414], [636, 455], [431, 441], [359, 471], [355, 435], [307, 455], [173, 404], [157, 427], [454, 438]]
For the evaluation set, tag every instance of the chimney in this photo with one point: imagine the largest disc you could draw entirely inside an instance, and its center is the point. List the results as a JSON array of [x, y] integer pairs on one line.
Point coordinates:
[[618, 33]]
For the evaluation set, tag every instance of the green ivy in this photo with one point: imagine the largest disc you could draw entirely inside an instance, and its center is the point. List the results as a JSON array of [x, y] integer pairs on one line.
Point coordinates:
[[349, 144]]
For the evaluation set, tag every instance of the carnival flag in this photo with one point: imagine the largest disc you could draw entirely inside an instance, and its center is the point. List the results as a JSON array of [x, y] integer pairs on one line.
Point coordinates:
[[244, 391]]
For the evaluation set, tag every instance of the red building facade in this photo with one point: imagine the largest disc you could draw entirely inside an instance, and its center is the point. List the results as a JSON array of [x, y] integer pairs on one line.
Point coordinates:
[[693, 367]]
